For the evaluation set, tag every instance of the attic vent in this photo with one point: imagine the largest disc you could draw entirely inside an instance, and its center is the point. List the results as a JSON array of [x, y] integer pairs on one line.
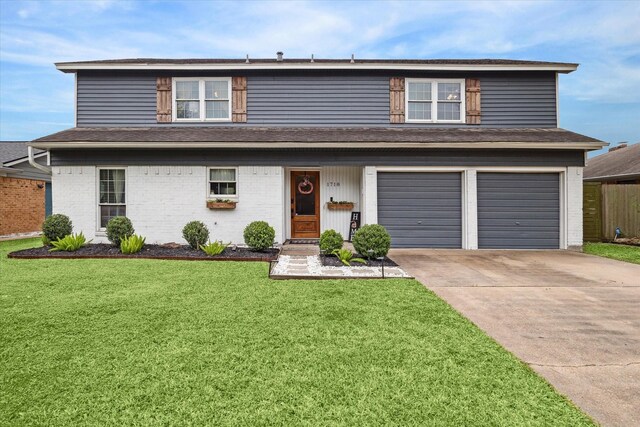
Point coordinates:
[[279, 59]]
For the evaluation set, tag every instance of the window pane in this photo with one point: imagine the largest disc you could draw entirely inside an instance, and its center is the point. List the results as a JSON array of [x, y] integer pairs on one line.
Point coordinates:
[[108, 212], [223, 188], [419, 91], [187, 90], [420, 111], [449, 111], [449, 91], [216, 90], [222, 175], [188, 110], [217, 109]]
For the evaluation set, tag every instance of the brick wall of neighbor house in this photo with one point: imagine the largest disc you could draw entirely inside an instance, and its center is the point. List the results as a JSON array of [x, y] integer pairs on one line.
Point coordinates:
[[21, 205], [162, 199]]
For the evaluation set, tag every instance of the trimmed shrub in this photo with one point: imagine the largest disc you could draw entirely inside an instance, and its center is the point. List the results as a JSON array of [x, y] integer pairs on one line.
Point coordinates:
[[374, 237], [196, 234], [118, 228], [55, 227], [259, 235], [330, 241]]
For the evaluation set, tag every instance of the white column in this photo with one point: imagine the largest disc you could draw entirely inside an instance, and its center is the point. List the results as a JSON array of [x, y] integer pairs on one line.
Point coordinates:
[[369, 195], [573, 208], [470, 210]]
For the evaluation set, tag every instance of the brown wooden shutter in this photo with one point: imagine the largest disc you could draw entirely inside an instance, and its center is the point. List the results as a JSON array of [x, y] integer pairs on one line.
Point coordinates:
[[239, 99], [472, 101], [396, 100], [163, 99]]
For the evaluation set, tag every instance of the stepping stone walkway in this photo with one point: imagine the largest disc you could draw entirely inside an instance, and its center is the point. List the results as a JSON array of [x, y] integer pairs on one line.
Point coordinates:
[[310, 267]]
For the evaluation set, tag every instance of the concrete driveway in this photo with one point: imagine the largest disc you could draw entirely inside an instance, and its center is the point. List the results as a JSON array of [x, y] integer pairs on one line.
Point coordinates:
[[574, 318]]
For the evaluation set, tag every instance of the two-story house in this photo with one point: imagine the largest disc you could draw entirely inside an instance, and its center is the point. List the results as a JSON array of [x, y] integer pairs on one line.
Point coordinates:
[[443, 153]]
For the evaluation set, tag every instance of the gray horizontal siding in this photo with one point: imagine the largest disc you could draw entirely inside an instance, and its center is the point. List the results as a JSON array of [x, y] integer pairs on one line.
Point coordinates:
[[518, 211], [315, 99], [116, 100], [519, 101], [421, 210], [310, 157], [318, 100]]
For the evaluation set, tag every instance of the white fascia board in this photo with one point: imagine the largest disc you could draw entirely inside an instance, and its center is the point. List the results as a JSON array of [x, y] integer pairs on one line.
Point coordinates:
[[73, 67], [293, 144]]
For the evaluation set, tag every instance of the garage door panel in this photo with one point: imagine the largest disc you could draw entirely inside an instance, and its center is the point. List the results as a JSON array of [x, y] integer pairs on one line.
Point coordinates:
[[421, 209], [518, 211]]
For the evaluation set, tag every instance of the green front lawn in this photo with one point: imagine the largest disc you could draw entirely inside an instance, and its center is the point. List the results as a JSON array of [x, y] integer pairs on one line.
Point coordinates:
[[147, 342], [611, 250]]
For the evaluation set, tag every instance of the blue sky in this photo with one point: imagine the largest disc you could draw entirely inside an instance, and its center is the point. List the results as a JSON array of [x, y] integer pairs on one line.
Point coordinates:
[[601, 99]]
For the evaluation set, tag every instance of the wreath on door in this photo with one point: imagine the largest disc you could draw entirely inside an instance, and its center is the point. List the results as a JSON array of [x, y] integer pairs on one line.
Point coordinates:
[[306, 183]]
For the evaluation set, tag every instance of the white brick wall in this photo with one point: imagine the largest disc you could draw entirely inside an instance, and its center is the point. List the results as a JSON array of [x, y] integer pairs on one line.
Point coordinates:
[[162, 199], [574, 207], [74, 189], [369, 195]]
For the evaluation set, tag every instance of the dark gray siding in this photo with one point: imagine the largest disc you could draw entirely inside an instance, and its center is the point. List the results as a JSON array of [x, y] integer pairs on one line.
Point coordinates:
[[116, 100], [318, 100], [421, 210], [518, 211], [315, 98], [518, 101], [310, 157]]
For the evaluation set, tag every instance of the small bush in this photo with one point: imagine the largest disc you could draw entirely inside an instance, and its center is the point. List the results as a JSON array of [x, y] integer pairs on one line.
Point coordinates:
[[372, 236], [118, 228], [56, 227], [69, 243], [346, 257], [214, 248], [132, 244], [196, 234], [259, 235], [330, 241]]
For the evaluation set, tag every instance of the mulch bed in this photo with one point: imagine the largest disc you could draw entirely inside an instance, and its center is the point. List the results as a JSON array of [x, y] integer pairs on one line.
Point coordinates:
[[168, 251], [332, 261]]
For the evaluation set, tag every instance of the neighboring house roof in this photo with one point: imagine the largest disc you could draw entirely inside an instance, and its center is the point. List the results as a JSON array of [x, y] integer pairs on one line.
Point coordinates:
[[265, 137], [272, 63], [12, 150], [621, 163]]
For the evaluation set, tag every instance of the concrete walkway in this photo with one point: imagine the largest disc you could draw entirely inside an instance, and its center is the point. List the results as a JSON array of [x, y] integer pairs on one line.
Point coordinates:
[[574, 318]]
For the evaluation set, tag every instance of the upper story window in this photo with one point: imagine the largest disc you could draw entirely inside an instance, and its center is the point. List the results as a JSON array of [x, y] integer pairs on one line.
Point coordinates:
[[201, 99], [435, 101]]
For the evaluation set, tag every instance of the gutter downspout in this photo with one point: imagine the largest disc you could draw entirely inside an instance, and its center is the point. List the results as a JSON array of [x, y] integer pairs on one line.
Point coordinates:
[[32, 162]]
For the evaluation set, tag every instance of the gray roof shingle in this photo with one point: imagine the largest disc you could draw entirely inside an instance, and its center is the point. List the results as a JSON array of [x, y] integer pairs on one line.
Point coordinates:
[[310, 135], [12, 150], [621, 162]]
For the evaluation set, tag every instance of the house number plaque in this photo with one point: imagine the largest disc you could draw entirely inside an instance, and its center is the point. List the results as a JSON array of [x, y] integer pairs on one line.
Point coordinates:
[[333, 184]]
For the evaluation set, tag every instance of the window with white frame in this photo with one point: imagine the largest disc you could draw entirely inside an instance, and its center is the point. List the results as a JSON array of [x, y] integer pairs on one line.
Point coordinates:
[[197, 99], [111, 199], [223, 183], [435, 101]]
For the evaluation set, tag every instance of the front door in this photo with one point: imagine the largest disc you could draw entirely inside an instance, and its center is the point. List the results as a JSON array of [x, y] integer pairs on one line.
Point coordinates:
[[305, 204]]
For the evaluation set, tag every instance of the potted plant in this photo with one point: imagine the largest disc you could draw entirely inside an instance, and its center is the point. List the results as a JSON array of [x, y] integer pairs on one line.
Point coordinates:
[[340, 206], [221, 204]]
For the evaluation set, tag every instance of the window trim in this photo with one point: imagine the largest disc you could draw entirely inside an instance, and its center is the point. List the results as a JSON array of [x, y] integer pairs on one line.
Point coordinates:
[[434, 100], [233, 197], [98, 204], [201, 99]]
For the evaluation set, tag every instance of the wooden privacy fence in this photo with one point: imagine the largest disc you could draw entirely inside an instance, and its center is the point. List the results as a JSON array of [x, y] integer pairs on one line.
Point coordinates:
[[607, 206]]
